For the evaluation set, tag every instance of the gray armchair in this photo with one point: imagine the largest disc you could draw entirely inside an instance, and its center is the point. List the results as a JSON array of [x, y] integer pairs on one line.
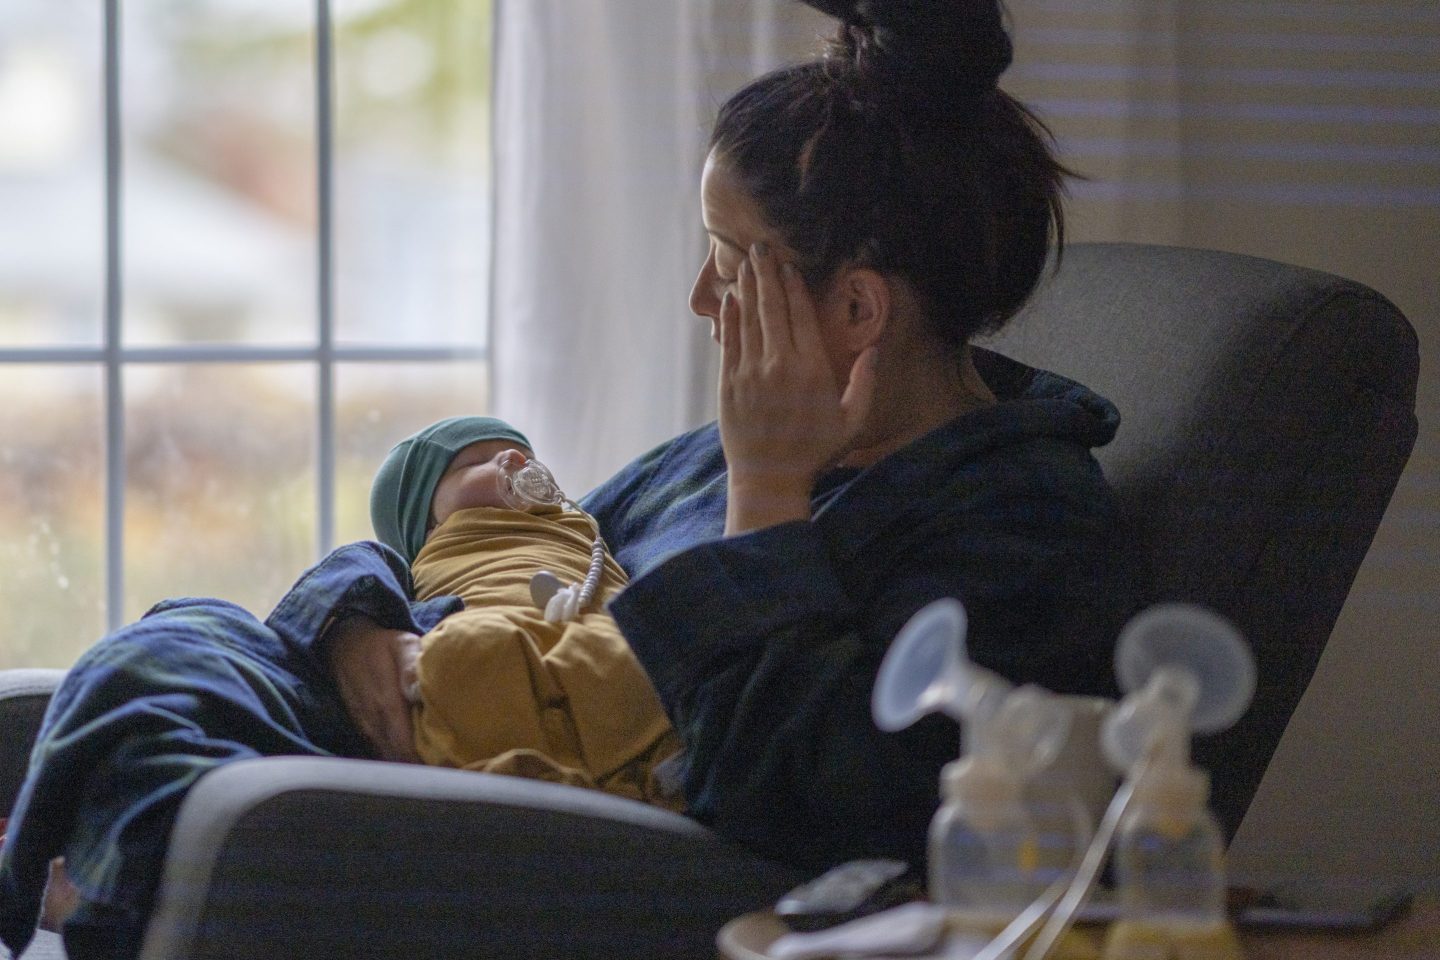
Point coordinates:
[[1268, 411]]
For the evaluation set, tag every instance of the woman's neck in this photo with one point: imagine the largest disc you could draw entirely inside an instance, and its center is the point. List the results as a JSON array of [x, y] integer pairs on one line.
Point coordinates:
[[913, 398]]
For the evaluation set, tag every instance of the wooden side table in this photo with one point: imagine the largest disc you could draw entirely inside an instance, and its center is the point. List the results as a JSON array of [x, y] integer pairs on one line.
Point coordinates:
[[1415, 936]]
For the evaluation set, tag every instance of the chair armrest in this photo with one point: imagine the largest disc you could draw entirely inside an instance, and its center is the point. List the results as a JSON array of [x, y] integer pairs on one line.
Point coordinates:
[[301, 857], [24, 695]]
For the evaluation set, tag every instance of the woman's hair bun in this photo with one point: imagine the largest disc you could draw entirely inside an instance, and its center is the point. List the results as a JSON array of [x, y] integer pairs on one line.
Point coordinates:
[[896, 151], [936, 50]]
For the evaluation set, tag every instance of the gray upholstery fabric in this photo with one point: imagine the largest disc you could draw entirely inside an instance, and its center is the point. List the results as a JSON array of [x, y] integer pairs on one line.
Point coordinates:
[[1267, 412], [23, 696], [300, 858]]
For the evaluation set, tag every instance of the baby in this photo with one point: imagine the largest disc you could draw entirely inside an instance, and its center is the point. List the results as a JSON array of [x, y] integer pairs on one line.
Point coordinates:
[[500, 688]]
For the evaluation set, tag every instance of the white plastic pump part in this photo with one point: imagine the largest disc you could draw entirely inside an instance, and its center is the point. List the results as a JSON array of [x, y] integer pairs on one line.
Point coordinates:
[[1184, 670], [981, 783], [926, 670]]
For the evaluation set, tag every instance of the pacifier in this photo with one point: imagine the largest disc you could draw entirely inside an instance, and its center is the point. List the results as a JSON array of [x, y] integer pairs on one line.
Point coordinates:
[[527, 482]]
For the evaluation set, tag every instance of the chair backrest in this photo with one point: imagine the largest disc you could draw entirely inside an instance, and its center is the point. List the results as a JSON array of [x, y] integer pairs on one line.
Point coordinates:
[[1267, 411]]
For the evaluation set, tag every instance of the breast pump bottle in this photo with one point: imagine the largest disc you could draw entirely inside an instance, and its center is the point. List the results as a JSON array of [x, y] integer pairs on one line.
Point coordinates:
[[1184, 668], [983, 844]]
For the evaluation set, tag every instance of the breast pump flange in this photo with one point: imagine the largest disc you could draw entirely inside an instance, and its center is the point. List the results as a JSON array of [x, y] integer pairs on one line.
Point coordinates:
[[926, 670], [1183, 669], [1008, 735]]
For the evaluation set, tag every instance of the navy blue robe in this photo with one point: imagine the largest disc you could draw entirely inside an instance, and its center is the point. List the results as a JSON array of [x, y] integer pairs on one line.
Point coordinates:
[[764, 647]]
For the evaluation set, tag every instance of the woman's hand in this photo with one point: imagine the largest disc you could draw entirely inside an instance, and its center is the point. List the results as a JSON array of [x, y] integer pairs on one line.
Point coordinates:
[[783, 417], [61, 896], [375, 669]]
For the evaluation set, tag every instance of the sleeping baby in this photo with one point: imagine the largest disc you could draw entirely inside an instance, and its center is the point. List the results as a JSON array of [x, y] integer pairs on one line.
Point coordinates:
[[500, 688]]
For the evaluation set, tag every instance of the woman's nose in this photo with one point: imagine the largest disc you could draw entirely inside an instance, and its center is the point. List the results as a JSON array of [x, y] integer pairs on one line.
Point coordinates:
[[703, 301]]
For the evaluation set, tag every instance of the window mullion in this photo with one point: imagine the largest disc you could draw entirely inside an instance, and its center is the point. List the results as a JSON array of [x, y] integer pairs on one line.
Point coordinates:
[[325, 372], [113, 333]]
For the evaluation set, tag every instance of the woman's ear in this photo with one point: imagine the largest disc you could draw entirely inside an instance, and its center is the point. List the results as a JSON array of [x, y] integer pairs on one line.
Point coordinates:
[[867, 301]]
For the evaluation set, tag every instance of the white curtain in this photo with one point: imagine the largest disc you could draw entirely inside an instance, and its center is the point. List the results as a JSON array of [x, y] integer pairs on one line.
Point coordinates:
[[603, 110]]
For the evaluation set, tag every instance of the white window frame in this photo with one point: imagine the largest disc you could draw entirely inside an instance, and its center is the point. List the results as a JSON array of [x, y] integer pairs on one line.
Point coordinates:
[[114, 357]]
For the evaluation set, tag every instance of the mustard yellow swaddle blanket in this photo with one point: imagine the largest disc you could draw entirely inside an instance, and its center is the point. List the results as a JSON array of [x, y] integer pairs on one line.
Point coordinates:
[[502, 690]]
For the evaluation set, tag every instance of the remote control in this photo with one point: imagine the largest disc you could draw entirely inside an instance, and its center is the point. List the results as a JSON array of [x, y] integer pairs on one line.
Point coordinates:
[[848, 892]]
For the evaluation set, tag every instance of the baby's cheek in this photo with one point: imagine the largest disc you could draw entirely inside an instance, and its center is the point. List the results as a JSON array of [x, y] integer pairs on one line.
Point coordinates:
[[482, 490]]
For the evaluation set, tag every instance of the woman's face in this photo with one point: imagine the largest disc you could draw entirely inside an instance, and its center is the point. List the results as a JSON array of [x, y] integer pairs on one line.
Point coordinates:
[[473, 478], [734, 223]]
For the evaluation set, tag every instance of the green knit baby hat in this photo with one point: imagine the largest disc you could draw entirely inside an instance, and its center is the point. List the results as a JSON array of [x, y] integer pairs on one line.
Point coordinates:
[[405, 483]]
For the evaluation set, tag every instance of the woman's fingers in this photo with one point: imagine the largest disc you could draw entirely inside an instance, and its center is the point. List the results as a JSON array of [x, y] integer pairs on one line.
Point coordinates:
[[407, 653], [398, 737], [772, 306], [804, 328], [729, 337], [772, 303], [752, 341]]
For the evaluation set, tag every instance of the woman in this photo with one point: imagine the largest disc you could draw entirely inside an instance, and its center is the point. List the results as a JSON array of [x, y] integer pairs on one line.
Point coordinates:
[[870, 213]]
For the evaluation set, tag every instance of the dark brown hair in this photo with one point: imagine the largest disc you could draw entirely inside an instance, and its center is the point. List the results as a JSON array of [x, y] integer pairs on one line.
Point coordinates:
[[897, 151]]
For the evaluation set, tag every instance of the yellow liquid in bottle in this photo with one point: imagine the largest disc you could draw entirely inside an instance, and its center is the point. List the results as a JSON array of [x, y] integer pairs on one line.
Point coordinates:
[[1142, 940]]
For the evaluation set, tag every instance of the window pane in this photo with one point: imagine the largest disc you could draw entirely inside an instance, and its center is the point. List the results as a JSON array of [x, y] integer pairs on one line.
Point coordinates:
[[412, 169], [219, 114], [376, 406], [52, 520], [52, 175], [220, 482]]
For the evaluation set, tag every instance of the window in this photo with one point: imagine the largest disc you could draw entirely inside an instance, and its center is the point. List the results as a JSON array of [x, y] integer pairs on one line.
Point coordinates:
[[245, 249]]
